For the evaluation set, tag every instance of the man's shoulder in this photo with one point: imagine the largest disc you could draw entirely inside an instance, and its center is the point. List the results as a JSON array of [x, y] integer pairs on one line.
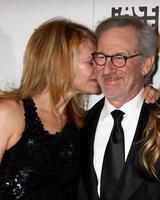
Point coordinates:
[[95, 110], [97, 106], [153, 106]]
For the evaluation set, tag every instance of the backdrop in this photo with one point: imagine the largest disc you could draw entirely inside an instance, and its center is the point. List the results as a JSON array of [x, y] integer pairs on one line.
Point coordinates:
[[19, 18]]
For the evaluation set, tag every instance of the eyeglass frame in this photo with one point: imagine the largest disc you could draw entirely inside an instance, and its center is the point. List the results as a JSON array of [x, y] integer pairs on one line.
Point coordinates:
[[108, 56]]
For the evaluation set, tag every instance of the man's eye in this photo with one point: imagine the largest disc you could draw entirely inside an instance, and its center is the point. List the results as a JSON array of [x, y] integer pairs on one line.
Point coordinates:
[[118, 57]]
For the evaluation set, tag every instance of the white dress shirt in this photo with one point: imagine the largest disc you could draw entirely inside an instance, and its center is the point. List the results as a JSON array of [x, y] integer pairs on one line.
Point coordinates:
[[129, 123]]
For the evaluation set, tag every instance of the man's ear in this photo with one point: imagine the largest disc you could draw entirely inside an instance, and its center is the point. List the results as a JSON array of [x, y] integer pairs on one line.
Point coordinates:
[[148, 64]]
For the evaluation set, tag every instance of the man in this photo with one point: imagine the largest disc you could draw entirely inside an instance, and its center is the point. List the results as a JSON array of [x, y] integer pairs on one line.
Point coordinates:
[[125, 57]]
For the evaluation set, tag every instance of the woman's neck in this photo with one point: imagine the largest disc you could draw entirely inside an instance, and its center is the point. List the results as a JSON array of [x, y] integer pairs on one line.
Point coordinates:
[[43, 101], [52, 121]]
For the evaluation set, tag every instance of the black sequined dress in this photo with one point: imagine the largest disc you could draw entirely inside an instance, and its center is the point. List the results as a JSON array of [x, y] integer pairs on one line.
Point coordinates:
[[41, 166]]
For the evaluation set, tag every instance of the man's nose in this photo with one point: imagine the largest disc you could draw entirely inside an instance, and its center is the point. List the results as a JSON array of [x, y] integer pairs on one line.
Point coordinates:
[[108, 66]]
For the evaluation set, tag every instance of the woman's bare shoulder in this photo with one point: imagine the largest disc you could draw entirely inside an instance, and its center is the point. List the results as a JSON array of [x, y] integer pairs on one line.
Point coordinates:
[[8, 105], [10, 108], [11, 122]]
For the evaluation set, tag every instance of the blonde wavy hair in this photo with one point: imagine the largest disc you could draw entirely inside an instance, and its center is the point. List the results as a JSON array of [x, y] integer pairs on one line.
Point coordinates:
[[150, 149], [50, 58]]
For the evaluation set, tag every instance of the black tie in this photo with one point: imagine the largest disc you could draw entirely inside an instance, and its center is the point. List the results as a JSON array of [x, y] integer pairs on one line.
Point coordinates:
[[114, 157]]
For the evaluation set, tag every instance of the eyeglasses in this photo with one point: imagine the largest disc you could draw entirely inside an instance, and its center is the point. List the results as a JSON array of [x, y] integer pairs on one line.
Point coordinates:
[[117, 60]]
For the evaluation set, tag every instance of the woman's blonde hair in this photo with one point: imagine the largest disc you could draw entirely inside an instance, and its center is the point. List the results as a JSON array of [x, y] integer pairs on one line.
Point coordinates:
[[150, 149], [50, 58]]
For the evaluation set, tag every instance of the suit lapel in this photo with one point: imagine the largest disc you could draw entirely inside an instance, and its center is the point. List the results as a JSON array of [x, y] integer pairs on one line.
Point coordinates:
[[88, 137], [130, 179]]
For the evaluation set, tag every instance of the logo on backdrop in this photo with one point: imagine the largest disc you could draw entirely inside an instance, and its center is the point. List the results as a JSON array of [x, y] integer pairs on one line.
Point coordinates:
[[152, 19]]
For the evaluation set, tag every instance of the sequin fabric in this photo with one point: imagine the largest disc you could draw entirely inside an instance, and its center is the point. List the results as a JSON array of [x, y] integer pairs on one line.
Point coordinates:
[[41, 166]]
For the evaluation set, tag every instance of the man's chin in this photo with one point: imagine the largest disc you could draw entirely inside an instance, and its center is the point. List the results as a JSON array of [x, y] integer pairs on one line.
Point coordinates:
[[113, 95]]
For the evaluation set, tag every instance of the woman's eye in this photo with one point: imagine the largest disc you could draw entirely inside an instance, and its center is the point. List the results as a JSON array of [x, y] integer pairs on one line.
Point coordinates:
[[91, 62]]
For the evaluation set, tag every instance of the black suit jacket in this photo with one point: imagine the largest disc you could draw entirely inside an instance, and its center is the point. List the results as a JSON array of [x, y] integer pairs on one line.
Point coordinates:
[[132, 185]]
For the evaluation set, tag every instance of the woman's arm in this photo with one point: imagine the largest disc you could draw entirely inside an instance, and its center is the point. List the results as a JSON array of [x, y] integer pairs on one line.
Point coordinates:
[[11, 124]]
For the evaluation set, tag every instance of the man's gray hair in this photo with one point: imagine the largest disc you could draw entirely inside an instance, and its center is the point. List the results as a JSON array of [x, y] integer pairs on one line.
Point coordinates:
[[146, 37]]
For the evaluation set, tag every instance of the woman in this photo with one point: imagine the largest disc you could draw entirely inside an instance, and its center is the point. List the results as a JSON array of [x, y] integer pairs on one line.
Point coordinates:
[[39, 121], [149, 155], [39, 146]]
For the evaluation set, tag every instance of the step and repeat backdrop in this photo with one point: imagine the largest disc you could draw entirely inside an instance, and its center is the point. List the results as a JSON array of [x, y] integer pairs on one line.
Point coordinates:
[[19, 18]]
